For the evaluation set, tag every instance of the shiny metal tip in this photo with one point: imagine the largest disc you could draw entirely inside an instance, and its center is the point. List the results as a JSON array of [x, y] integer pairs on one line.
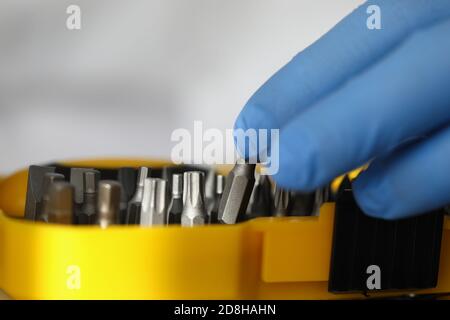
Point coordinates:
[[142, 175], [108, 203], [194, 212], [154, 202], [60, 202], [49, 179], [177, 185], [90, 181], [220, 184]]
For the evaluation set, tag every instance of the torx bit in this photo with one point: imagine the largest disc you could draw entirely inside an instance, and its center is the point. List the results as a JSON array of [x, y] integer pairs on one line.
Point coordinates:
[[194, 211], [213, 210], [238, 188], [60, 203], [261, 201], [134, 206], [127, 179], [108, 203], [176, 203], [49, 179], [282, 202], [88, 212], [154, 202], [34, 190]]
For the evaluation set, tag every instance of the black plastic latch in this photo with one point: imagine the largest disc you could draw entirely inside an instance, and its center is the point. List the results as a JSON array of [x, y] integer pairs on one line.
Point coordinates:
[[406, 252]]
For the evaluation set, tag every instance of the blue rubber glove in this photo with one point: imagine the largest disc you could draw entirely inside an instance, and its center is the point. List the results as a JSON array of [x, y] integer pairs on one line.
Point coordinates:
[[359, 95]]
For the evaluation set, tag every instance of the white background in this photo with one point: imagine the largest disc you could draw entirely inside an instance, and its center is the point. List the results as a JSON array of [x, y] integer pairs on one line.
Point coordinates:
[[138, 70]]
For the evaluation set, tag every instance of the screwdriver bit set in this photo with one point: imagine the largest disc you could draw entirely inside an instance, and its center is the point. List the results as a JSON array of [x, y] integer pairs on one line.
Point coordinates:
[[173, 195], [127, 229]]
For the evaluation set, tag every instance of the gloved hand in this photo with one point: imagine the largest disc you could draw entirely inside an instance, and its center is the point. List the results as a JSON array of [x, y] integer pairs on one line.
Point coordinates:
[[359, 95]]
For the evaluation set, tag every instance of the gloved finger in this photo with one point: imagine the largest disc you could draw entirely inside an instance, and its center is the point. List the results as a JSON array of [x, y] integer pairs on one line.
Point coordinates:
[[413, 180], [344, 51], [404, 95]]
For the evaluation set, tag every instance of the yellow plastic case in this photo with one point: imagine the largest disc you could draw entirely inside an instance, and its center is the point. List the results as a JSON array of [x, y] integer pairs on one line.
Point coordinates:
[[266, 258]]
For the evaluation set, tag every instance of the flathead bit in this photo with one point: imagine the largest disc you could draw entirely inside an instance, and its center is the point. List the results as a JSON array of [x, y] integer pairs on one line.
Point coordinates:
[[108, 203], [238, 188], [88, 212], [60, 203], [210, 185], [154, 202], [194, 211], [176, 203], [49, 179], [261, 200], [282, 202], [213, 209], [34, 190], [134, 206]]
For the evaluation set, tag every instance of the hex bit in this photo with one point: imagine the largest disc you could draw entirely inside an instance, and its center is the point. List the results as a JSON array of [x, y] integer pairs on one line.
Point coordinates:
[[134, 205], [88, 212], [108, 203], [213, 209], [237, 192], [77, 180], [154, 202], [60, 203], [261, 200], [282, 202], [49, 179], [194, 211], [176, 203], [34, 190]]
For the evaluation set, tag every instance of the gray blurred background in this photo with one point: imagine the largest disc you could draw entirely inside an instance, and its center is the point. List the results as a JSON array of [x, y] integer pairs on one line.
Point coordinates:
[[138, 70]]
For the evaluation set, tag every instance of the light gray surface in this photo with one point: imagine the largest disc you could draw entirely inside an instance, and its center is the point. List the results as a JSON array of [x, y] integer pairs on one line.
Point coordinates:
[[139, 69]]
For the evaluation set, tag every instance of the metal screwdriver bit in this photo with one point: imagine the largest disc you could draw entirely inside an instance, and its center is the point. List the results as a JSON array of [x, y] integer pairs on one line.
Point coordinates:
[[60, 203], [282, 202], [213, 209], [168, 171], [154, 202], [238, 188], [194, 211], [77, 180], [176, 203], [134, 206], [49, 179], [127, 179], [88, 212], [108, 203], [34, 190], [261, 201], [210, 186]]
